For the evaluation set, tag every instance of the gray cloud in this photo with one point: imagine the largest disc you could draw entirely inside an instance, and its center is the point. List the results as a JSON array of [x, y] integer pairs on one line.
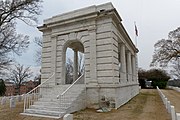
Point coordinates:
[[154, 19]]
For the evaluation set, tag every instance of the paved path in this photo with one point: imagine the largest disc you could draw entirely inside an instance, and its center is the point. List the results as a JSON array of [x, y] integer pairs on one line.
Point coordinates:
[[174, 97]]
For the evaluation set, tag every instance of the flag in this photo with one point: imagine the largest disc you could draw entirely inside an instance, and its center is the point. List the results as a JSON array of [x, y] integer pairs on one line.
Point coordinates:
[[136, 31]]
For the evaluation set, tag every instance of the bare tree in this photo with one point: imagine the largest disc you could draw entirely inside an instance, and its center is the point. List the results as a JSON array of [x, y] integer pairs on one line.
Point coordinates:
[[69, 68], [10, 40], [38, 78], [2, 87], [38, 41], [18, 74], [69, 71], [176, 69], [167, 50], [80, 63]]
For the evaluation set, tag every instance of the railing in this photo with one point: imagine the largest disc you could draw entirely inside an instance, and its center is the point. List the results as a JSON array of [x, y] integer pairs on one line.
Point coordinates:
[[63, 96], [170, 108], [34, 94]]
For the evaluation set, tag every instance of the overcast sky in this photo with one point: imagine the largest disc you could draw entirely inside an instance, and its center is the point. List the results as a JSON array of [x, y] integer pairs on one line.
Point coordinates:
[[154, 20]]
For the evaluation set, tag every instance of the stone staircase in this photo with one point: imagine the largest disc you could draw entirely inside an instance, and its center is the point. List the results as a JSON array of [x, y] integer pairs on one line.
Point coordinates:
[[51, 106]]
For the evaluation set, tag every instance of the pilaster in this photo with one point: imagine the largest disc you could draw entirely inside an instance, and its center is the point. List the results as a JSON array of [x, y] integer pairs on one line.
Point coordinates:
[[123, 63], [133, 68], [129, 66], [53, 59], [136, 68], [93, 62]]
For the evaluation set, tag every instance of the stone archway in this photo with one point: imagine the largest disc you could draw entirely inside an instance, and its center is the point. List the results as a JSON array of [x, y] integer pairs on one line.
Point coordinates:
[[77, 48]]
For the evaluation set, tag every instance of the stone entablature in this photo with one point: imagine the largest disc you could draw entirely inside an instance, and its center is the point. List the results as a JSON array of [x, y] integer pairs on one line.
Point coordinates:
[[110, 55]]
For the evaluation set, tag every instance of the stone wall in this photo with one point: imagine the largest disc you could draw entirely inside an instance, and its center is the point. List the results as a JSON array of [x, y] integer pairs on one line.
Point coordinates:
[[116, 95]]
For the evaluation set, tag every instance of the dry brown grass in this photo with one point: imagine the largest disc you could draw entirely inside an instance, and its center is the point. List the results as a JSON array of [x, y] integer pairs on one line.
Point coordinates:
[[7, 113], [145, 106]]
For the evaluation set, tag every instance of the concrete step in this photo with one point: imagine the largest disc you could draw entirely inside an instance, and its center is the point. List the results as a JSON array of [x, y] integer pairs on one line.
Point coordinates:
[[46, 103], [48, 99], [53, 104], [67, 95], [51, 108], [44, 112], [65, 98]]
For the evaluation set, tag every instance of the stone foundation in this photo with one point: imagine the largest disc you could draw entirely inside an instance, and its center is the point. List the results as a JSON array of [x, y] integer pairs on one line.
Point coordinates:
[[114, 95]]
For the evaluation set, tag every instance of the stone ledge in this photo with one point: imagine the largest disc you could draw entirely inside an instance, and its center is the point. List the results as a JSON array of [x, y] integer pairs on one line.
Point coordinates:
[[79, 12]]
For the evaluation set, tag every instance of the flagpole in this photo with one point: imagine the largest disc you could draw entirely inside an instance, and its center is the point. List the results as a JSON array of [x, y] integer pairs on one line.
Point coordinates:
[[136, 34], [136, 41]]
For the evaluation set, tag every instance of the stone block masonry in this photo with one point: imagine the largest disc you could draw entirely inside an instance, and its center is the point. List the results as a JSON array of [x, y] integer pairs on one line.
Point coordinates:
[[110, 55]]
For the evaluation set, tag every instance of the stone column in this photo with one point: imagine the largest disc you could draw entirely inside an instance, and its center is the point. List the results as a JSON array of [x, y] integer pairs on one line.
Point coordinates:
[[133, 68], [136, 68], [53, 60], [75, 71], [123, 63], [93, 62], [129, 65]]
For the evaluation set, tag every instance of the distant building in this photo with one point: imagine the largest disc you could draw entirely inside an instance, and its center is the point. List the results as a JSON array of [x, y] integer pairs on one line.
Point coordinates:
[[11, 88]]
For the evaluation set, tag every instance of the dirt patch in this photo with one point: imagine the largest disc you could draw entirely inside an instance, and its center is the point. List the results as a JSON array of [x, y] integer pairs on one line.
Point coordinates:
[[154, 108], [145, 106], [174, 97]]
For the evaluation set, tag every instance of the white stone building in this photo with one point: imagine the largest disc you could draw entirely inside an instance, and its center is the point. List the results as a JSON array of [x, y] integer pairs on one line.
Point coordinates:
[[110, 62]]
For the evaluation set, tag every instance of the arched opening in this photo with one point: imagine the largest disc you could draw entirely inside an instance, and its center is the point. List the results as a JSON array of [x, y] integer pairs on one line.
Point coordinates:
[[74, 61]]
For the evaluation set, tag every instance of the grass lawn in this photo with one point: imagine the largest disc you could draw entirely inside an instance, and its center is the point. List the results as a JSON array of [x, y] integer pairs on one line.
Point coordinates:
[[145, 106]]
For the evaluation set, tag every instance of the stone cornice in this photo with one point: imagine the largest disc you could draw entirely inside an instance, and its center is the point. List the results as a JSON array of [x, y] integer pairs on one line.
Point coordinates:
[[90, 13], [76, 15]]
